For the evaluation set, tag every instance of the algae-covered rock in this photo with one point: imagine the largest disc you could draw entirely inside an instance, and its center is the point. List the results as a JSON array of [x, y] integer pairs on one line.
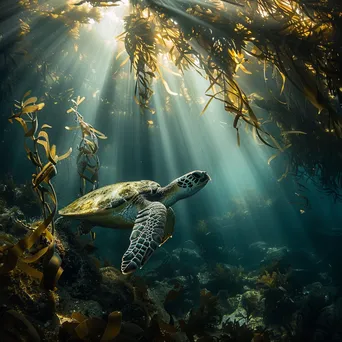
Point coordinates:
[[69, 305], [189, 259], [81, 277], [114, 291], [233, 303], [157, 294], [26, 310], [246, 309], [136, 313], [275, 253], [252, 302], [203, 278]]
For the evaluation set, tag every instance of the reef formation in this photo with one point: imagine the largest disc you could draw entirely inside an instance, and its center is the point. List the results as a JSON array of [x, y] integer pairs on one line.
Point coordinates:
[[185, 296]]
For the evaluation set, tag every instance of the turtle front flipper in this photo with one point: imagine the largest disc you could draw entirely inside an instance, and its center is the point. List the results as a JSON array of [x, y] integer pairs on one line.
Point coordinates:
[[147, 235], [169, 226]]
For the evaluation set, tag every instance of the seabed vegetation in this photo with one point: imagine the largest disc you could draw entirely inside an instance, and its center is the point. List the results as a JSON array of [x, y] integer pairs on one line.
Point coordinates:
[[52, 287]]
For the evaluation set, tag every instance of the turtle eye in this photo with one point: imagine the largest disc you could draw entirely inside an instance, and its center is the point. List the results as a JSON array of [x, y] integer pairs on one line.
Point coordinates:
[[154, 191]]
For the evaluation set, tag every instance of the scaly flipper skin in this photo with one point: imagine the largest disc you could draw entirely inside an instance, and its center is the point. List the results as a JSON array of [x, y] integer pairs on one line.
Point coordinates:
[[147, 235]]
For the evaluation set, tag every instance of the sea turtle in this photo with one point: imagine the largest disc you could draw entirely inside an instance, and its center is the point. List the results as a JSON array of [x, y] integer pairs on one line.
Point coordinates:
[[143, 205]]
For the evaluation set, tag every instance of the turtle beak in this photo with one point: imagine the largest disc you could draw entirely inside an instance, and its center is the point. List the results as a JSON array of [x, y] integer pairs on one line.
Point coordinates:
[[204, 177]]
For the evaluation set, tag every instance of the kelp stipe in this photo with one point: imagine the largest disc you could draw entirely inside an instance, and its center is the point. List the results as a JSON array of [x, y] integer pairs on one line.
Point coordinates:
[[88, 163], [17, 255]]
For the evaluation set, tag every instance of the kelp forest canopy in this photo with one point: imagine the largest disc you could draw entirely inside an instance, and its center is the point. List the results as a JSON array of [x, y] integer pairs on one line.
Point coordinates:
[[293, 46]]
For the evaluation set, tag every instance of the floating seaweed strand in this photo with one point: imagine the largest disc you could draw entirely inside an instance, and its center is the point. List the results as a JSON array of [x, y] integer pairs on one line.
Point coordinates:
[[88, 163], [16, 255]]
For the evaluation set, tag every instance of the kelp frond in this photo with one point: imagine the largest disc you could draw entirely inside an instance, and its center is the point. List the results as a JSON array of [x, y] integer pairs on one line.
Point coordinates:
[[88, 163], [18, 254]]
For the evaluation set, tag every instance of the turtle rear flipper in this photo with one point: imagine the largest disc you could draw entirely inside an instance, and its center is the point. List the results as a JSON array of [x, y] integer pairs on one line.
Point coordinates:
[[147, 235], [84, 227]]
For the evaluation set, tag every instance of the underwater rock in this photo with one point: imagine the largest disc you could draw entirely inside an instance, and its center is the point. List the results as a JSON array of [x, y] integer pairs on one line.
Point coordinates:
[[279, 306], [225, 277], [69, 305], [191, 245], [318, 295], [233, 303], [129, 332], [21, 196], [27, 308], [252, 302], [239, 315], [302, 277], [20, 292], [328, 324], [114, 291], [177, 295], [316, 322], [136, 313], [275, 253], [8, 220], [257, 251], [170, 268], [81, 276], [157, 294], [160, 257], [204, 278], [248, 310], [188, 258]]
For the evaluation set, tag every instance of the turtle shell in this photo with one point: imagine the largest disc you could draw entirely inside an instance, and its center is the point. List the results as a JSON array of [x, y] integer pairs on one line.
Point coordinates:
[[108, 197]]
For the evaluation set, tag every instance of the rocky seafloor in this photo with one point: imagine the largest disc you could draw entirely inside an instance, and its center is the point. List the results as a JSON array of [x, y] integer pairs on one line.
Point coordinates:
[[186, 297]]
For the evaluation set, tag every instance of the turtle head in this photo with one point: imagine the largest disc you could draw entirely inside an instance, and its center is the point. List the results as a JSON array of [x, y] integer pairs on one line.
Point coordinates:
[[184, 186]]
